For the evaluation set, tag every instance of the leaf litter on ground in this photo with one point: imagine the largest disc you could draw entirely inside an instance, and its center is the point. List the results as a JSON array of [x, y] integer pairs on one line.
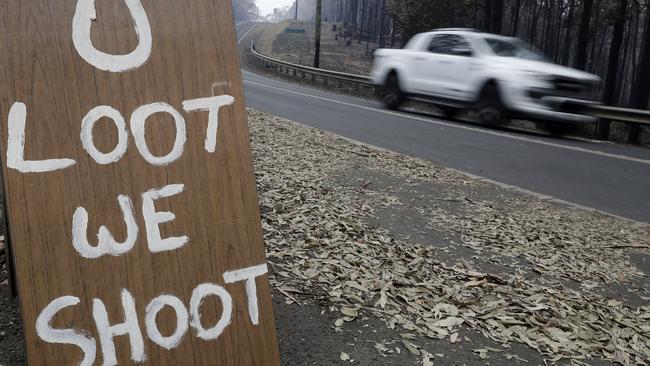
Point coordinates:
[[319, 244]]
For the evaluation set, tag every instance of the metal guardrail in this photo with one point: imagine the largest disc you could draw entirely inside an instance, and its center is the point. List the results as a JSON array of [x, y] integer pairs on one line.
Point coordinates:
[[356, 80], [635, 116]]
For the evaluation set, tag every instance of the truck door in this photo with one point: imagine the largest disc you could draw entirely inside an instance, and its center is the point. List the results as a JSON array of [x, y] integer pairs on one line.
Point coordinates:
[[424, 66], [449, 69]]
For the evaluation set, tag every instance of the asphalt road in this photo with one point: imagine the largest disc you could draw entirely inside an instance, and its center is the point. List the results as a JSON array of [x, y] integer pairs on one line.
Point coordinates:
[[609, 177]]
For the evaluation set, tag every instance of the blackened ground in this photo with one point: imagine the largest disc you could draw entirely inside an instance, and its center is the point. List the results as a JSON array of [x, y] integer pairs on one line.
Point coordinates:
[[11, 333]]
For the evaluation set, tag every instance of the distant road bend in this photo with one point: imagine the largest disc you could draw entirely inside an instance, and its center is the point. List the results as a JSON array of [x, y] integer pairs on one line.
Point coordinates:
[[608, 177]]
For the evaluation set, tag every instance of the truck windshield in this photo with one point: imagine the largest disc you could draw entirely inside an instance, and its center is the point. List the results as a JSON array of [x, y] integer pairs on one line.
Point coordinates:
[[514, 48]]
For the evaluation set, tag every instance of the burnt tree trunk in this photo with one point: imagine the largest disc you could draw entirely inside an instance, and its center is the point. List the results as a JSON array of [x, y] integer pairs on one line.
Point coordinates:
[[567, 35], [516, 8], [620, 81], [317, 38], [363, 19], [533, 24], [612, 66], [487, 16], [382, 20], [583, 34], [496, 22], [641, 85]]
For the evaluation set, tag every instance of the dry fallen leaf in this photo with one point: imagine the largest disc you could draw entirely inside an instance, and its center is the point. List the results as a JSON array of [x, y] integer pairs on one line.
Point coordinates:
[[349, 312], [414, 349], [426, 361], [482, 353]]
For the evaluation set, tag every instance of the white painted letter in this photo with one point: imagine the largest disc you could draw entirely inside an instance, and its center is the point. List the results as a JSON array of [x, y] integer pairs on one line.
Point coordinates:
[[248, 274], [212, 105], [201, 292], [152, 219], [107, 243], [138, 121], [81, 24], [130, 327], [65, 336], [16, 146], [87, 134], [182, 324]]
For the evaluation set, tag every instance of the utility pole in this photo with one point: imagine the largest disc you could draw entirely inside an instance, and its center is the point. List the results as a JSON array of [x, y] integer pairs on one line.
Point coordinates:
[[317, 43], [296, 9]]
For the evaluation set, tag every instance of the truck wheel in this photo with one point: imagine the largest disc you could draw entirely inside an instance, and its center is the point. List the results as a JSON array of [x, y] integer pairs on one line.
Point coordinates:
[[392, 95], [490, 110]]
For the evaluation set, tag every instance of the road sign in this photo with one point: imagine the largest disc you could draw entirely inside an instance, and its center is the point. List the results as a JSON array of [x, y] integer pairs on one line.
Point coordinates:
[[295, 30], [129, 186]]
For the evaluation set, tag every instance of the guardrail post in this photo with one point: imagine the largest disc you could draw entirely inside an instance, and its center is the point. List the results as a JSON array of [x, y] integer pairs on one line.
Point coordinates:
[[294, 72], [325, 80]]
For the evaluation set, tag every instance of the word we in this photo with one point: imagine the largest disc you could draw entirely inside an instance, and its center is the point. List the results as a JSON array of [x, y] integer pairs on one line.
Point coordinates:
[[18, 120], [131, 326], [152, 219]]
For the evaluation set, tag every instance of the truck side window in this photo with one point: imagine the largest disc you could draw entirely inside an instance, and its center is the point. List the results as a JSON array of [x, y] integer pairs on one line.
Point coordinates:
[[450, 44], [441, 43]]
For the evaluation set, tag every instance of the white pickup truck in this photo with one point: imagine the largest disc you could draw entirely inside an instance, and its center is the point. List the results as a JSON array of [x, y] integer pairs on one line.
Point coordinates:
[[499, 77]]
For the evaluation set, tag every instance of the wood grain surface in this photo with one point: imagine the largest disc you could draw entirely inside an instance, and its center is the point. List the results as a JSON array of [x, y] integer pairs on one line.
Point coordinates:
[[194, 55]]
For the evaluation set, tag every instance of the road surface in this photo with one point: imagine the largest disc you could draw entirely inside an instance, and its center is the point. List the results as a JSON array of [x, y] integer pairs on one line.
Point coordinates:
[[608, 177]]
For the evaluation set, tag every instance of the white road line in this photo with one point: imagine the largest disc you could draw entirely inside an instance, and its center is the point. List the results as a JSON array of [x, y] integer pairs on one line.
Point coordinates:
[[245, 34], [447, 124]]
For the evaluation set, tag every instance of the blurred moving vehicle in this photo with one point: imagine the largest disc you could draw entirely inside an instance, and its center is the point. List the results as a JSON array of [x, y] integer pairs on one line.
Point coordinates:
[[499, 77]]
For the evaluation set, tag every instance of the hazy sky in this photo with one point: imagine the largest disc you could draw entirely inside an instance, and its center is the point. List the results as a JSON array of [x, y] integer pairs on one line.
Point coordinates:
[[266, 6]]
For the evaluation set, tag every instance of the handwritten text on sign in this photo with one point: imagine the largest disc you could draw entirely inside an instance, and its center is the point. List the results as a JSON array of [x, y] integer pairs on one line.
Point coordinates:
[[186, 316]]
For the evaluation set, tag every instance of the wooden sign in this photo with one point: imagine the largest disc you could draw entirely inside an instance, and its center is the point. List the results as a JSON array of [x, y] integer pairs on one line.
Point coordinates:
[[128, 178]]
